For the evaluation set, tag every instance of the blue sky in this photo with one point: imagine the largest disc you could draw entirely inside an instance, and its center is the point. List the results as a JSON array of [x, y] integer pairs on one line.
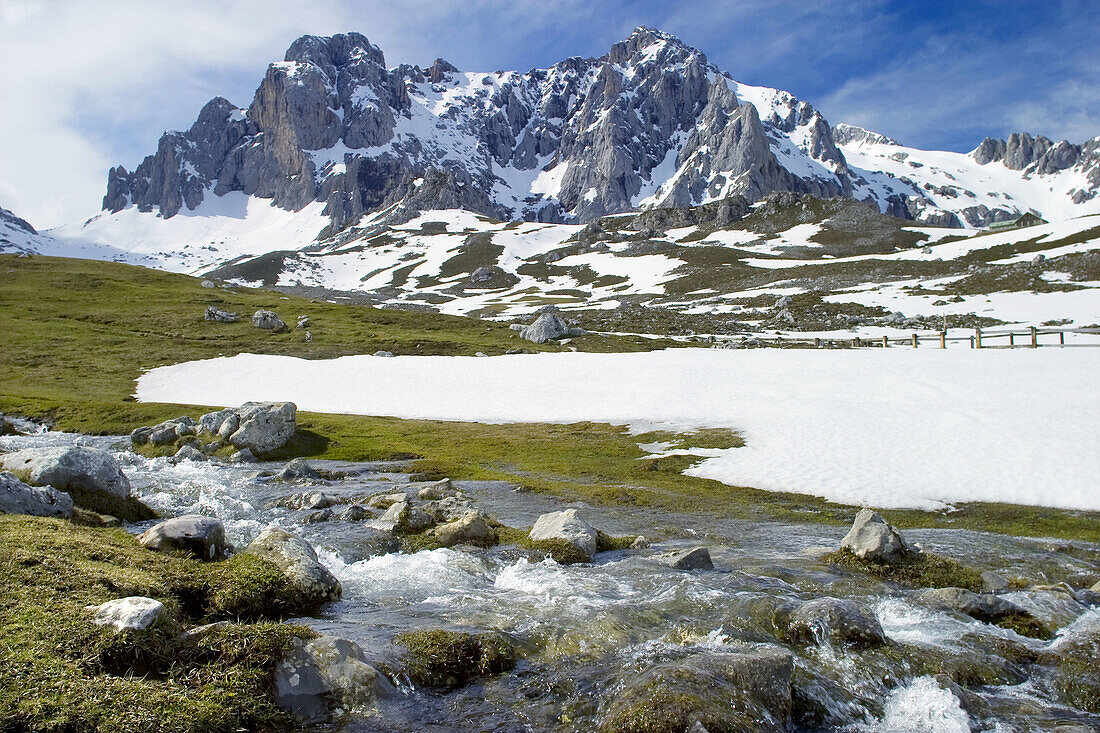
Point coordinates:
[[96, 83]]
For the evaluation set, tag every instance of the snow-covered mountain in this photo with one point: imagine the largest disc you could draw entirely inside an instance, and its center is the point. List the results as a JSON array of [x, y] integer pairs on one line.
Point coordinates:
[[650, 124]]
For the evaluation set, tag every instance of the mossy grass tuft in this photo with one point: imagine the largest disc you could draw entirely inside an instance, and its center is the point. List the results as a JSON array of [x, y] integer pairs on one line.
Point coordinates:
[[58, 672], [444, 659], [926, 570]]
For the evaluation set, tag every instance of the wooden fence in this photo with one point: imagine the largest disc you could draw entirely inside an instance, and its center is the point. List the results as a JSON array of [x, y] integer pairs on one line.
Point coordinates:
[[1031, 338]]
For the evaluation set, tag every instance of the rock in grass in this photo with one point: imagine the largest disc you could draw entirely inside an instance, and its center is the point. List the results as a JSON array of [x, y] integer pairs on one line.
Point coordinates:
[[91, 477], [548, 327], [134, 613], [86, 469], [569, 527], [17, 497], [872, 538], [268, 320], [384, 354], [212, 422], [265, 426], [473, 528], [203, 537], [314, 675], [746, 691], [836, 621], [219, 316], [694, 559], [297, 561]]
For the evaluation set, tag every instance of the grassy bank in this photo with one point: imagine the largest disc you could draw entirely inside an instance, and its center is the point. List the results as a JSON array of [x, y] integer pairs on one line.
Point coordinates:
[[77, 334], [58, 672]]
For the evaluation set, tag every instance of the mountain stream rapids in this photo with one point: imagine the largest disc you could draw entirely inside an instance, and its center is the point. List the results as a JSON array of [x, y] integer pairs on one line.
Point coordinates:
[[585, 630]]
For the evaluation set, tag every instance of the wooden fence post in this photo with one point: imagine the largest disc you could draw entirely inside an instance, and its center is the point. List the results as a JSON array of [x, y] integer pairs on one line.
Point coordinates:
[[1011, 340], [1034, 337], [916, 341], [1062, 338], [817, 343], [977, 338], [885, 342], [972, 342], [943, 339]]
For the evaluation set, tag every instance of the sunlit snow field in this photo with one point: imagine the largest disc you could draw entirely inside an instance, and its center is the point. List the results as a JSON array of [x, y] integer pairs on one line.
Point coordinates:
[[884, 427]]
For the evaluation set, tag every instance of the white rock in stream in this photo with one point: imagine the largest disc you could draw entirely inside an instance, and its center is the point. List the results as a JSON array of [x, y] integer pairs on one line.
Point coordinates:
[[566, 525], [297, 559]]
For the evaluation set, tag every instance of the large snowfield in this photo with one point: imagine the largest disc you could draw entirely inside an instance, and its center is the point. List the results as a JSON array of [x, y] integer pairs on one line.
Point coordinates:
[[889, 428]]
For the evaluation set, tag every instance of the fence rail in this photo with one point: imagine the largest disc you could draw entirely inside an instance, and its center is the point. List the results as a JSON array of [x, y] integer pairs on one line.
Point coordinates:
[[1031, 338]]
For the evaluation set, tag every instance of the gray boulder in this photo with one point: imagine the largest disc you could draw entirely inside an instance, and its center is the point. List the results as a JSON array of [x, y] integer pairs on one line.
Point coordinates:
[[836, 621], [548, 327], [203, 537], [472, 528], [304, 322], [212, 422], [384, 354], [242, 456], [298, 470], [134, 613], [85, 469], [355, 513], [317, 674], [268, 320], [746, 691], [219, 316], [297, 560], [568, 526], [694, 559], [265, 426], [17, 497], [994, 583], [872, 538], [188, 453], [405, 518]]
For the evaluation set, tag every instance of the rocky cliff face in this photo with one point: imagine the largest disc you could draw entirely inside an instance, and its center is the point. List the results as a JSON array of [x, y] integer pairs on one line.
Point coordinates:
[[650, 124]]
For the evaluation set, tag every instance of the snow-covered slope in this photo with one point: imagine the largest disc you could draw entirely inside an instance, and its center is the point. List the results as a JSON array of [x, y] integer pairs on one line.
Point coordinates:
[[988, 184]]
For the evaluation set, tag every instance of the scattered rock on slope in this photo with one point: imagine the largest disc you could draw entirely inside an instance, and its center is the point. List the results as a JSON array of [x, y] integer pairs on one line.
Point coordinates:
[[548, 327], [268, 320]]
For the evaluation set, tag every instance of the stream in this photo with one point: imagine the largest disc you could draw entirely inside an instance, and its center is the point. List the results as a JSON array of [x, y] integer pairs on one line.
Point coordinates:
[[583, 630]]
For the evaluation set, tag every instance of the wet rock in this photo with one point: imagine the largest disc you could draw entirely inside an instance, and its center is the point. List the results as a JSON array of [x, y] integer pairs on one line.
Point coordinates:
[[309, 579], [836, 621], [449, 508], [695, 559], [872, 538], [473, 528], [317, 674], [1073, 657], [385, 501], [747, 691], [242, 456], [140, 436], [268, 320], [355, 513], [265, 426], [640, 543], [321, 515], [203, 537], [984, 607], [994, 583], [298, 470], [188, 453], [133, 613], [566, 526], [405, 518], [436, 491], [17, 497], [219, 316]]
